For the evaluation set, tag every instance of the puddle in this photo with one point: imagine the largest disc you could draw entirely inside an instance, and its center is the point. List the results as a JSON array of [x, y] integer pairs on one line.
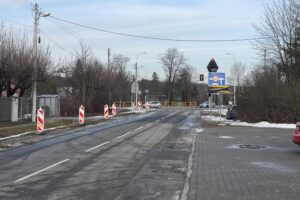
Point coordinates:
[[274, 167], [226, 137]]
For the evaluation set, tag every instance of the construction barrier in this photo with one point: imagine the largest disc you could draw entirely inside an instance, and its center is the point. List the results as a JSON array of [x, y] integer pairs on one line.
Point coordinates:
[[139, 106], [132, 106], [81, 115], [106, 111], [40, 120], [114, 110]]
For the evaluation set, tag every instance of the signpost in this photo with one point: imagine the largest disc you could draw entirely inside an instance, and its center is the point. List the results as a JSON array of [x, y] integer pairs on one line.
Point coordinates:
[[216, 78]]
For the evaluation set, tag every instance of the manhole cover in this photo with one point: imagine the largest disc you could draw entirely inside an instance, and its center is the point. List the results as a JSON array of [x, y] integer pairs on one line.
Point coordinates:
[[251, 146]]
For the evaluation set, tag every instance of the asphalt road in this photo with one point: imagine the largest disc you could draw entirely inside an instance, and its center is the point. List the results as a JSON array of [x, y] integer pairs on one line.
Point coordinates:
[[142, 157]]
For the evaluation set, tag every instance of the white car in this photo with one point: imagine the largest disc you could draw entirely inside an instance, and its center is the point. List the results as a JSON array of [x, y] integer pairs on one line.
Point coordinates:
[[205, 104], [154, 104]]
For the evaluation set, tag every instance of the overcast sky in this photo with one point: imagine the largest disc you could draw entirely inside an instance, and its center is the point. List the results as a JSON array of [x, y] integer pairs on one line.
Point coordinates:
[[177, 19]]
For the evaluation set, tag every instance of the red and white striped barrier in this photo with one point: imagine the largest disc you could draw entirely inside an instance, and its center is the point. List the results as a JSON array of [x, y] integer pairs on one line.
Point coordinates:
[[40, 120], [106, 111], [114, 110], [81, 114], [147, 106], [132, 106], [139, 105]]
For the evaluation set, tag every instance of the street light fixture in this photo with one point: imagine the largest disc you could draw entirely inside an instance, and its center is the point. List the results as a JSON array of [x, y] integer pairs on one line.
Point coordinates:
[[136, 74], [234, 76], [37, 14]]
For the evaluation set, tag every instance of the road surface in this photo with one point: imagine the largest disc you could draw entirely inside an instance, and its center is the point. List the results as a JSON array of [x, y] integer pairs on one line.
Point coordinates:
[[142, 157]]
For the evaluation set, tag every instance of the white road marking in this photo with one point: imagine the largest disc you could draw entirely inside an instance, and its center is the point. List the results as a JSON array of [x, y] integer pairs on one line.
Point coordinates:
[[226, 137], [95, 147], [149, 124], [139, 128], [157, 120], [199, 130], [42, 170], [123, 135]]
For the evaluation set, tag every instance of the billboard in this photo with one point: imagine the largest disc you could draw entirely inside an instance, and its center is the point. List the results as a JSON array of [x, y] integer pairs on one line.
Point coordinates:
[[216, 78]]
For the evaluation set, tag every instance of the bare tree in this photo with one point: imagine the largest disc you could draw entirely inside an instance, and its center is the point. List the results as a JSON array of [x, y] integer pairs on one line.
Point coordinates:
[[279, 31], [83, 74], [172, 61]]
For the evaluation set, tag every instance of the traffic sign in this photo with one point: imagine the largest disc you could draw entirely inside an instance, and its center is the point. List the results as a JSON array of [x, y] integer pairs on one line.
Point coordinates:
[[216, 78]]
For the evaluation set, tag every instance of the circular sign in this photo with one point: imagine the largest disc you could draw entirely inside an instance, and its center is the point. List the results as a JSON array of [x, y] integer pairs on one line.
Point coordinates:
[[215, 79]]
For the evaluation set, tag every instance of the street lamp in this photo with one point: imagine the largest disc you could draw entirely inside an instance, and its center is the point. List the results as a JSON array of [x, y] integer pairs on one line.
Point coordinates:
[[136, 79], [234, 76], [37, 14]]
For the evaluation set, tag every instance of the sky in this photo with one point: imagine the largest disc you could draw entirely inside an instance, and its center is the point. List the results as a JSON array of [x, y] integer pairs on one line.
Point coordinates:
[[175, 19]]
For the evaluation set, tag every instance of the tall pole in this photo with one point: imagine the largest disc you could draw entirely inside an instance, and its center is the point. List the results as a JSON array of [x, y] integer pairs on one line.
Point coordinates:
[[35, 39], [234, 78], [136, 77], [136, 84], [265, 57], [108, 58]]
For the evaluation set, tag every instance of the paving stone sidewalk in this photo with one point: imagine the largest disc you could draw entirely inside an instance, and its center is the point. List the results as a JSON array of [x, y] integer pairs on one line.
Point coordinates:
[[245, 163]]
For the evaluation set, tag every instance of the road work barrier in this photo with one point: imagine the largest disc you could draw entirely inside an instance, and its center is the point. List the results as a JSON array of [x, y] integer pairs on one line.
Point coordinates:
[[106, 111], [114, 110], [81, 115], [132, 106], [139, 106], [40, 120]]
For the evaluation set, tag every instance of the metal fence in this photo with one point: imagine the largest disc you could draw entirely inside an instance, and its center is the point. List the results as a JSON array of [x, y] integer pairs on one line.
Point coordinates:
[[165, 104]]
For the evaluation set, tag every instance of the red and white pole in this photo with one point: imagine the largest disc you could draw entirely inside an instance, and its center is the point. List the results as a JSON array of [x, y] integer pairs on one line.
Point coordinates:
[[81, 115], [106, 111], [40, 120], [139, 106], [114, 110], [132, 106]]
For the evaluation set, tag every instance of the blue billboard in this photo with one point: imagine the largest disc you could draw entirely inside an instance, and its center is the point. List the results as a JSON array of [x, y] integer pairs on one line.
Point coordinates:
[[216, 78]]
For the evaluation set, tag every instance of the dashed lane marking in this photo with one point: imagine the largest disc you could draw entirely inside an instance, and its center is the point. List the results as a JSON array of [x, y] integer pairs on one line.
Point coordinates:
[[123, 135], [95, 147], [42, 170]]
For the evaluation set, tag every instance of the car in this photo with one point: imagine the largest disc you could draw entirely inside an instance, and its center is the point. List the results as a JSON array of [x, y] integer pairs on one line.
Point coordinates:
[[296, 133], [232, 114], [205, 104], [154, 104]]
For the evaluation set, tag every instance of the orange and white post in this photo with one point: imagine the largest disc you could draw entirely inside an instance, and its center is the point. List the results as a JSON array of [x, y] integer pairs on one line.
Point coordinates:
[[106, 111], [40, 120], [81, 115], [114, 110], [139, 106]]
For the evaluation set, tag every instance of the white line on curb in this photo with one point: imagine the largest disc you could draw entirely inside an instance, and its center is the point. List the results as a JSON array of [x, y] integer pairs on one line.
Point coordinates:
[[123, 135], [42, 170], [95, 147], [29, 132]]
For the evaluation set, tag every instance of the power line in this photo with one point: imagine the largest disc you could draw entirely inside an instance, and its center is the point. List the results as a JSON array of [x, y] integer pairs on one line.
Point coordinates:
[[153, 38]]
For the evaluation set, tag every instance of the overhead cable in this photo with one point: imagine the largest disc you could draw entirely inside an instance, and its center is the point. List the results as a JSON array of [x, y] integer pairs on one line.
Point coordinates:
[[154, 38]]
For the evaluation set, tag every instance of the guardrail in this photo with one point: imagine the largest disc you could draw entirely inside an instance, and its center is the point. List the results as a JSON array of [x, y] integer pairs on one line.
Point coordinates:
[[163, 104]]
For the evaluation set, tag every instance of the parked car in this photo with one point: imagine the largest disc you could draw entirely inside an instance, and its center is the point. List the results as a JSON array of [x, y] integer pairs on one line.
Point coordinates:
[[154, 104], [205, 104], [296, 133], [232, 113]]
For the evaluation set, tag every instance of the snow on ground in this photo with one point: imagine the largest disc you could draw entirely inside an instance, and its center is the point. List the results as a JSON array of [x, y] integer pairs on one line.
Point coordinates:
[[238, 123]]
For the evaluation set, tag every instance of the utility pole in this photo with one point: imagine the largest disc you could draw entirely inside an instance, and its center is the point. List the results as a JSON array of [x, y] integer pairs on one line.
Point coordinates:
[[37, 13], [265, 57], [108, 59], [136, 85], [35, 38]]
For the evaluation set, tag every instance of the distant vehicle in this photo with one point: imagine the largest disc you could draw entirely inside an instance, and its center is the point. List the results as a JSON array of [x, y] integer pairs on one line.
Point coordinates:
[[232, 113], [205, 104], [296, 133], [154, 104]]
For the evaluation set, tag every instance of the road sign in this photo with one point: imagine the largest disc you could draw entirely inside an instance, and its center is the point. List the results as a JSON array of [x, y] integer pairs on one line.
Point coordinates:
[[216, 78]]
